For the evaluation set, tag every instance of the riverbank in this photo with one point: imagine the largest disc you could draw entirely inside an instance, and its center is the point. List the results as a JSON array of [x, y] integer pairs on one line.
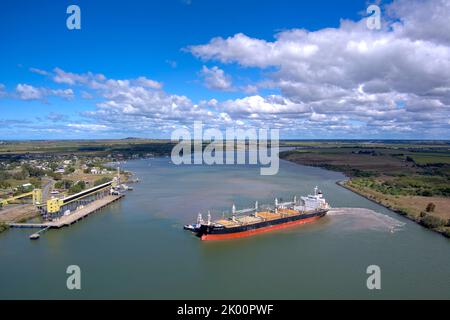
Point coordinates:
[[18, 214], [388, 179], [3, 227], [420, 219]]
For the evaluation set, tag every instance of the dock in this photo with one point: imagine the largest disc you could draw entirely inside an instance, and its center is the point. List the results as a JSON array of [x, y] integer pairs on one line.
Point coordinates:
[[37, 235], [67, 220]]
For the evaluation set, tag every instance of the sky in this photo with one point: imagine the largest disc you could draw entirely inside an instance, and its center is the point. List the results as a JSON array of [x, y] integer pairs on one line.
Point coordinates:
[[312, 69]]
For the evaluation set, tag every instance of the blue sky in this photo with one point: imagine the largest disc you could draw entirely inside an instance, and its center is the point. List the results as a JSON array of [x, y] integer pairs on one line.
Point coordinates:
[[57, 83]]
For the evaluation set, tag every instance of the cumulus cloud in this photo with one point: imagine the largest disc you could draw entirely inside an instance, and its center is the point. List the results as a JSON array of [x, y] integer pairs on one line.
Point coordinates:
[[89, 127], [29, 92], [99, 81], [334, 82], [143, 81], [426, 21], [360, 75], [86, 95], [144, 109], [69, 78], [138, 104], [215, 78], [254, 105], [56, 117], [39, 71]]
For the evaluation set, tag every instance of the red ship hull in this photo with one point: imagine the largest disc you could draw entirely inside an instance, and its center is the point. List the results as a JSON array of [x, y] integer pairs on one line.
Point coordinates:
[[252, 232]]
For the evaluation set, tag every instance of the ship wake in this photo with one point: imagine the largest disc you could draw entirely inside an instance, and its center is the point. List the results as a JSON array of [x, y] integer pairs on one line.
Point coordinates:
[[362, 218]]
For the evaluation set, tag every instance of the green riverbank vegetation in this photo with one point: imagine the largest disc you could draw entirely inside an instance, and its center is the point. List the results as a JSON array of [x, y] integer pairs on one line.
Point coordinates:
[[412, 179]]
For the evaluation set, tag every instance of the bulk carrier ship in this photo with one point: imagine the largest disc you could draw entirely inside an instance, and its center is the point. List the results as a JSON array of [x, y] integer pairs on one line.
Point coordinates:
[[247, 222]]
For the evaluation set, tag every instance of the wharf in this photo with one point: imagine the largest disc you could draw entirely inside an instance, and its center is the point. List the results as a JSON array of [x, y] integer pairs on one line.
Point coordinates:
[[73, 217]]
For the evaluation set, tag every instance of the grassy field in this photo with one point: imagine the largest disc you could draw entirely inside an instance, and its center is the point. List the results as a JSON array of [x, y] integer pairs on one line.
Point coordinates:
[[412, 204], [431, 159], [350, 161], [85, 147], [403, 175]]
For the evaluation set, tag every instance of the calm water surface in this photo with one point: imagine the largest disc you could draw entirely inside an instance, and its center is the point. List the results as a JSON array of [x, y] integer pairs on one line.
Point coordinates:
[[136, 248]]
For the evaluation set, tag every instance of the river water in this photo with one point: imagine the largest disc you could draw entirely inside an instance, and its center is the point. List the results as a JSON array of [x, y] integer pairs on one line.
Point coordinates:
[[136, 248]]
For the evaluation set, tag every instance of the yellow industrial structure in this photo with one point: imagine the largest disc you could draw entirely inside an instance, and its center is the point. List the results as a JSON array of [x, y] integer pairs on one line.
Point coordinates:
[[36, 195], [57, 205]]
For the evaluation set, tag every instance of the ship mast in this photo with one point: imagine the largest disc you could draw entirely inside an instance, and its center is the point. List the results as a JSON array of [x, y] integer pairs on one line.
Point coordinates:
[[199, 219]]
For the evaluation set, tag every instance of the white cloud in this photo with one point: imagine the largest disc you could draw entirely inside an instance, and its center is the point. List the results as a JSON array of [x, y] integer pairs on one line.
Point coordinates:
[[69, 78], [258, 105], [39, 71], [215, 78], [138, 104], [358, 75], [421, 20], [28, 92], [56, 117], [143, 81], [62, 93], [88, 127], [142, 105], [86, 95], [334, 82], [250, 89]]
